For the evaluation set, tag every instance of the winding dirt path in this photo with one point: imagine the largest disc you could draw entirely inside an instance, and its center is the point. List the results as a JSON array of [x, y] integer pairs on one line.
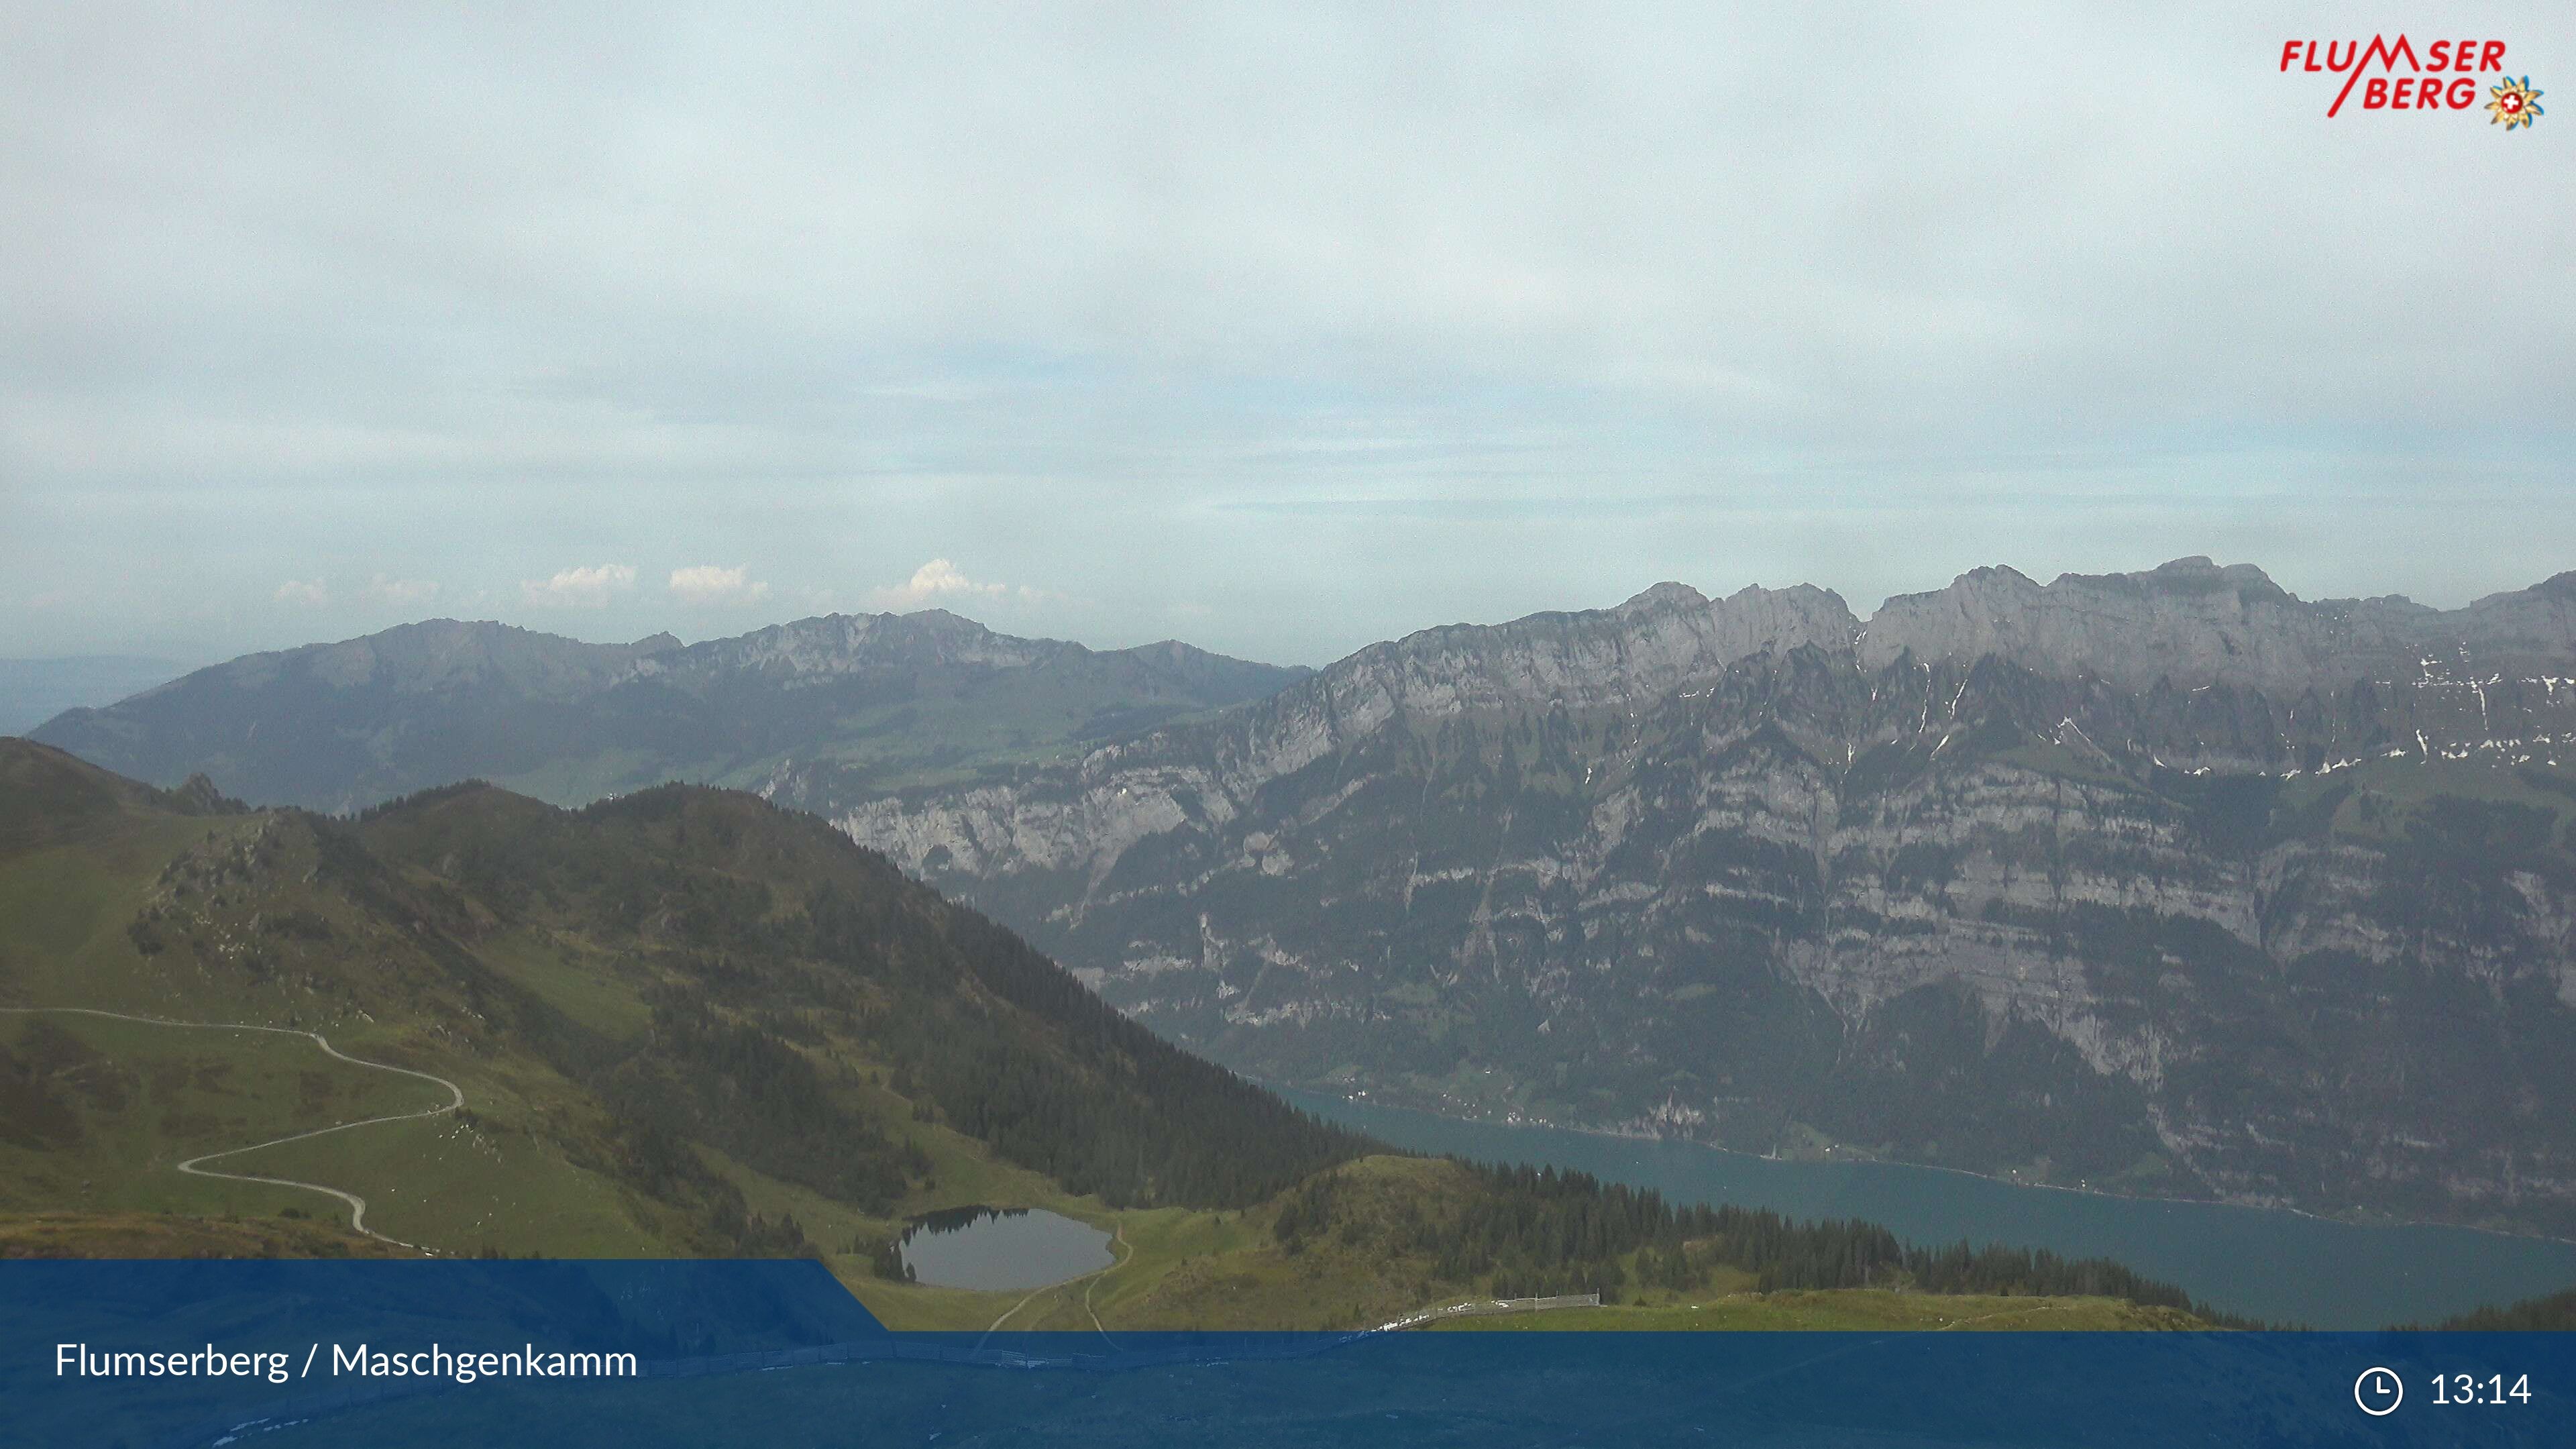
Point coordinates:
[[1103, 1273], [357, 1205], [1092, 1278]]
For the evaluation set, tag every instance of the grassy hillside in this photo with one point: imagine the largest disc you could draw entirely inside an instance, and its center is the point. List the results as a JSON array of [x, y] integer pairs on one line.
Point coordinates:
[[100, 1110], [684, 1021], [688, 1023], [167, 1235]]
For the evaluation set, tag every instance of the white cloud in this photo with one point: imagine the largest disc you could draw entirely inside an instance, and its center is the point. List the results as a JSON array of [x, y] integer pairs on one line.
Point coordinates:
[[709, 584], [937, 579], [312, 595], [402, 591], [580, 588]]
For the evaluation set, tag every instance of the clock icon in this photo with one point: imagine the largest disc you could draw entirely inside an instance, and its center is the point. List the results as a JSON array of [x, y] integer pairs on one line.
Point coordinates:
[[2378, 1391]]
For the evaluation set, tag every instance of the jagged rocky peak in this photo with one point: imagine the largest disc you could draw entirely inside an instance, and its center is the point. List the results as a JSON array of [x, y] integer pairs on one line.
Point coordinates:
[[2524, 631], [2192, 623], [1663, 640], [2189, 622], [1755, 620], [1752, 620], [2194, 577], [2554, 596], [1994, 595], [1666, 597], [1799, 609], [198, 796]]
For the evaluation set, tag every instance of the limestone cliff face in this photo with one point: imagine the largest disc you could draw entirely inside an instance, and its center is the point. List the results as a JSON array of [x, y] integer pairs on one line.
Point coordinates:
[[2165, 882]]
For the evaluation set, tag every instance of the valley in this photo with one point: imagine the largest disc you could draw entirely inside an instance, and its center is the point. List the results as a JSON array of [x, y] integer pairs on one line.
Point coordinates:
[[2163, 886], [688, 1023]]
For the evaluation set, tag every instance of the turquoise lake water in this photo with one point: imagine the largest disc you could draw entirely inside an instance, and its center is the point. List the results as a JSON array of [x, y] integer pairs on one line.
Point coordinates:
[[2263, 1262]]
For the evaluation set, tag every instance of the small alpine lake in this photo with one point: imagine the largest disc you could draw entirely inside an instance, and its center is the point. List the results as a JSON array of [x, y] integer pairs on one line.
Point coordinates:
[[2266, 1263], [1001, 1249]]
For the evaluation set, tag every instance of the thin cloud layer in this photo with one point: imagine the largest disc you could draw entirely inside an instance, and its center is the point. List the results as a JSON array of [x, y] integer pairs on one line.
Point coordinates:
[[402, 592], [1337, 319]]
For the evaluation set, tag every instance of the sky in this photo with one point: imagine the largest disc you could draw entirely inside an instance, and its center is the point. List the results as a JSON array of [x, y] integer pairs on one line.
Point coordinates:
[[1280, 329]]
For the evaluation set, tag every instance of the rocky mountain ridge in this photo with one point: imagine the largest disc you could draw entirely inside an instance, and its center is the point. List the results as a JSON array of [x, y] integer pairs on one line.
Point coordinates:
[[2163, 882], [2195, 623]]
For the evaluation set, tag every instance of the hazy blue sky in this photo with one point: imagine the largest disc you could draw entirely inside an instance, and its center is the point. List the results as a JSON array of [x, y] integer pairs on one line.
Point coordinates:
[[1280, 329]]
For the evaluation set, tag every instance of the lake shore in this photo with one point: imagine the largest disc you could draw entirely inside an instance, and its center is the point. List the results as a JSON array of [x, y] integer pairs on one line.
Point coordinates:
[[2273, 1263]]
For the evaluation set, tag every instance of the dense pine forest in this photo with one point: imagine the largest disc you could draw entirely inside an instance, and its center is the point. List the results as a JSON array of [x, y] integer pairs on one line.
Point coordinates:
[[2556, 1312], [1533, 1231]]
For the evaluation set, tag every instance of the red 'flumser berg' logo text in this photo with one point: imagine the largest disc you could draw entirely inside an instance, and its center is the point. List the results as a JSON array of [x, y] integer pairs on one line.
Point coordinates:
[[2446, 76]]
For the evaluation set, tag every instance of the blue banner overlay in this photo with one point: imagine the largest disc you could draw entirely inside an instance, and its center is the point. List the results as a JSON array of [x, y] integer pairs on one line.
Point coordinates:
[[281, 1354]]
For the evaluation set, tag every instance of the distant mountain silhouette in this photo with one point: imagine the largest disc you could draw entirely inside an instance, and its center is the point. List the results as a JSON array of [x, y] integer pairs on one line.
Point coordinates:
[[842, 705]]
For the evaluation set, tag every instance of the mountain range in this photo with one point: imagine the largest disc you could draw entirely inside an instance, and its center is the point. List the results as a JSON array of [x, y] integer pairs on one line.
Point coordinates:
[[843, 705], [2165, 882]]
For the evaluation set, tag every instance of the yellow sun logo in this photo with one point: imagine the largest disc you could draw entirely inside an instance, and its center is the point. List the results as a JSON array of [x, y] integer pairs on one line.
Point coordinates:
[[2515, 103]]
